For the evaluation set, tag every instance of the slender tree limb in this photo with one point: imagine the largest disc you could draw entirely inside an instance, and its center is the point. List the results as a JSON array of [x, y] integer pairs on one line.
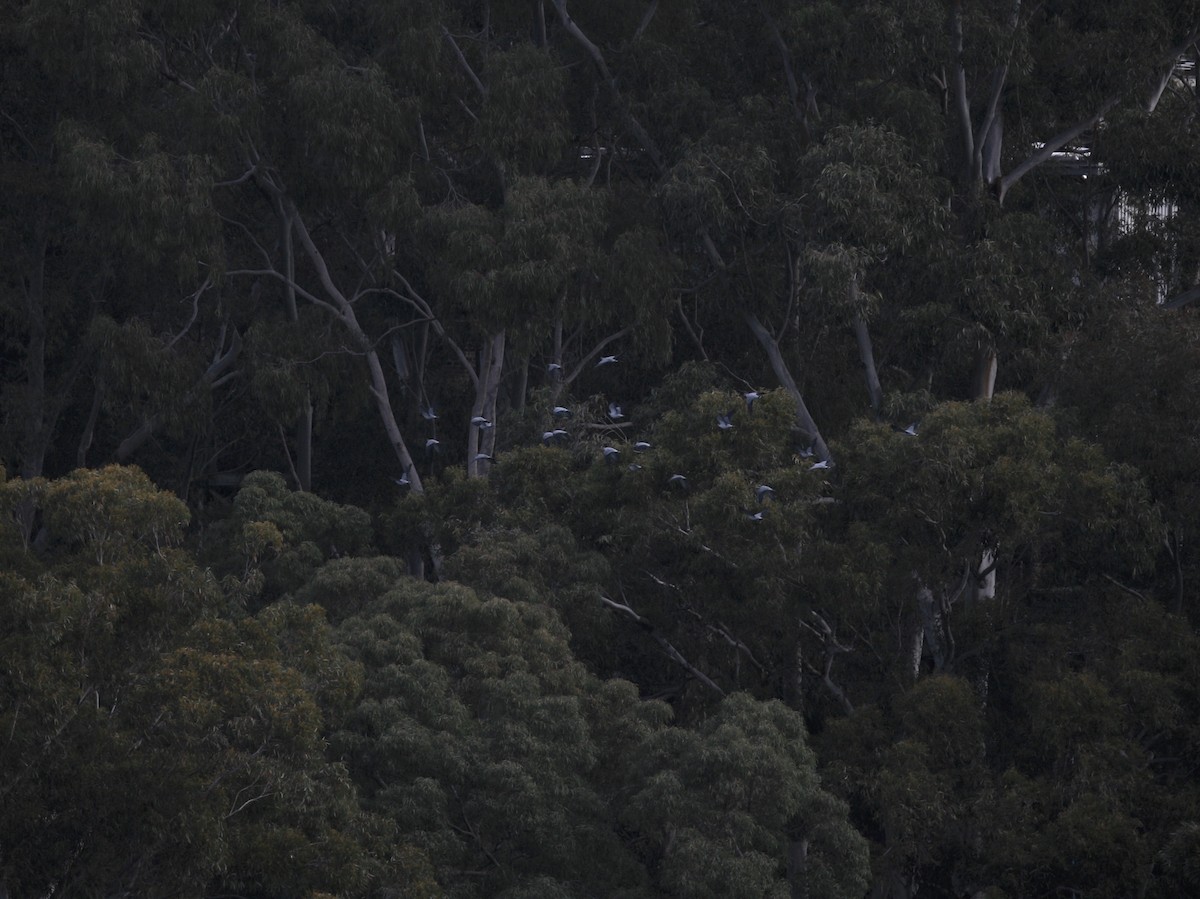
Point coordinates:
[[1172, 64], [832, 648], [672, 653], [631, 122], [645, 23], [962, 104], [220, 366], [422, 305], [462, 61], [999, 79], [1129, 590], [800, 111], [291, 284], [692, 332], [1052, 146], [593, 353], [89, 428], [195, 311]]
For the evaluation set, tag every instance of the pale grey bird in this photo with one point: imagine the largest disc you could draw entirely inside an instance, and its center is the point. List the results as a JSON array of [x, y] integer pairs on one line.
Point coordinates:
[[428, 413], [611, 454], [819, 466], [547, 437], [633, 466], [725, 420], [750, 398], [559, 434], [553, 368], [641, 446], [562, 412], [403, 480], [911, 430], [606, 360], [484, 457], [808, 452], [678, 480], [757, 516], [763, 492], [615, 412], [432, 444], [482, 423]]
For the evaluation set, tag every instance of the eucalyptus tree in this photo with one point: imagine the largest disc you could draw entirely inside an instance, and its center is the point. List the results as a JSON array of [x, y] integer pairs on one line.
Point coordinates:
[[105, 224], [155, 744]]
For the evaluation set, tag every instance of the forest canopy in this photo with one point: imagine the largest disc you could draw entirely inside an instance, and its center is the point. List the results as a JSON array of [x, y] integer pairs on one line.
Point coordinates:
[[556, 448]]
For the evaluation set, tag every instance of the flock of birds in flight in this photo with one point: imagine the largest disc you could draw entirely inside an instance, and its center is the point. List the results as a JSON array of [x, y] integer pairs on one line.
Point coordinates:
[[612, 455]]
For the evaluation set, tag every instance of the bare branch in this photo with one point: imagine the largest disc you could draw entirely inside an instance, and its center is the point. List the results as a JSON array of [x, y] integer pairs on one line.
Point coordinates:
[[422, 305], [1129, 590], [462, 61], [195, 311], [595, 351], [645, 23], [672, 653], [639, 132], [271, 273], [800, 111], [962, 104], [1052, 146]]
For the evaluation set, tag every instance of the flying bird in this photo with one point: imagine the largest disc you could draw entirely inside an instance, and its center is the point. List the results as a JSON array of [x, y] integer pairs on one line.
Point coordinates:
[[911, 430], [763, 492], [482, 423], [432, 444], [549, 437], [819, 466], [633, 466], [641, 446], [606, 360], [808, 452], [615, 412], [678, 480], [750, 398], [484, 457], [725, 420], [611, 454], [562, 412], [403, 480], [757, 516], [427, 412], [553, 367]]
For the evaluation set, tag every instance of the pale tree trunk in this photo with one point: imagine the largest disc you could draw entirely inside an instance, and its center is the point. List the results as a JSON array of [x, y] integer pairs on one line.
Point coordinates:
[[931, 625], [912, 646], [89, 428], [803, 418], [867, 355], [487, 388], [797, 868], [984, 586], [304, 424], [344, 310]]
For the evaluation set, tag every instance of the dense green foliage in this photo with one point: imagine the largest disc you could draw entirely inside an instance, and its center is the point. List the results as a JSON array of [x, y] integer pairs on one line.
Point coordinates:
[[547, 448]]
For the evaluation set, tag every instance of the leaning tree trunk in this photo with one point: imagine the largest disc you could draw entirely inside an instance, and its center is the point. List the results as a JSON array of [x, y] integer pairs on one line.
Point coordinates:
[[803, 417]]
